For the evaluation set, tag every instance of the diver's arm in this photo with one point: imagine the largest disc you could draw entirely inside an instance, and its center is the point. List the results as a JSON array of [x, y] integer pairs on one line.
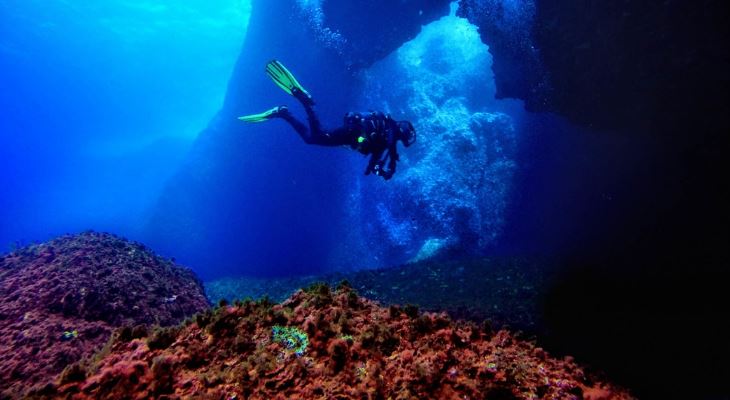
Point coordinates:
[[391, 156], [375, 163], [392, 161]]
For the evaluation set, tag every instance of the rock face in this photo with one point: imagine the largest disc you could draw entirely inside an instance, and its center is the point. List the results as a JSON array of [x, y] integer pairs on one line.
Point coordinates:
[[363, 32], [655, 75], [611, 64], [506, 27], [453, 185], [325, 344], [61, 300], [263, 178]]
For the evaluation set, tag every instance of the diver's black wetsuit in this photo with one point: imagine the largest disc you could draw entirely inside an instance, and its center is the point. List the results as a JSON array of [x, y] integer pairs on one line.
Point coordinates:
[[371, 133]]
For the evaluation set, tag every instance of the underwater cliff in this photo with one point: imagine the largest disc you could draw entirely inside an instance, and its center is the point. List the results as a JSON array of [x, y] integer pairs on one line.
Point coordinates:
[[449, 97], [293, 214], [568, 180]]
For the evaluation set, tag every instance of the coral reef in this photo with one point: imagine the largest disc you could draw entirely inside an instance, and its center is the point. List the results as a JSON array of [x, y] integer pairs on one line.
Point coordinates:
[[61, 300], [355, 350]]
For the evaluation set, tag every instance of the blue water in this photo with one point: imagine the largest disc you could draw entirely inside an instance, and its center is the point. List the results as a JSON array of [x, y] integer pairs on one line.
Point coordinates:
[[99, 104], [121, 117], [102, 103]]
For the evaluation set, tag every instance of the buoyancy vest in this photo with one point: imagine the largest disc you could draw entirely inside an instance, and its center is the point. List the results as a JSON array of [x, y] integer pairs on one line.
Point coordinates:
[[371, 131]]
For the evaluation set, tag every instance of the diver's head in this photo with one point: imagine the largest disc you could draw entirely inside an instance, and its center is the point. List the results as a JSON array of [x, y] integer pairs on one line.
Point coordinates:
[[406, 133]]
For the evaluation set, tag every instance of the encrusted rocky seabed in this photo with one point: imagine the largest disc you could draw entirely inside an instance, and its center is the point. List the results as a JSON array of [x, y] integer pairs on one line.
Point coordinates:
[[61, 300], [324, 344], [509, 292]]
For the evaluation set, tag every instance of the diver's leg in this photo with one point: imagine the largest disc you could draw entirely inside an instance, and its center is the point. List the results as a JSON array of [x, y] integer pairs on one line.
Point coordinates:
[[315, 128], [297, 125], [317, 134]]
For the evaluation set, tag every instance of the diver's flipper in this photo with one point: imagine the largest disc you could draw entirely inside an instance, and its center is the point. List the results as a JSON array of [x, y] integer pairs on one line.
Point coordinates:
[[286, 81], [264, 116]]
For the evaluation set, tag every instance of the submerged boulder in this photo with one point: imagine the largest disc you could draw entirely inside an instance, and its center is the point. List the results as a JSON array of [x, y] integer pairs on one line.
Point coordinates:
[[61, 300]]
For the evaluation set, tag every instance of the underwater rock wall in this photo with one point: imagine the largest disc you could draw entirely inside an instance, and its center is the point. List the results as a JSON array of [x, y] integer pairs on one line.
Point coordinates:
[[652, 217], [453, 185], [246, 192], [249, 199], [61, 300], [366, 31], [607, 64], [506, 27]]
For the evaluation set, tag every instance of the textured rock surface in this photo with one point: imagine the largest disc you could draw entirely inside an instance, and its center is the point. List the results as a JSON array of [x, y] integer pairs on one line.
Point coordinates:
[[362, 32], [608, 64], [506, 27], [89, 283], [504, 291], [453, 185], [354, 350], [657, 225]]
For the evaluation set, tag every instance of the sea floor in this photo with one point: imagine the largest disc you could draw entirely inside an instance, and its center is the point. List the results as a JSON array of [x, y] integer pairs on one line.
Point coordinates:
[[508, 292]]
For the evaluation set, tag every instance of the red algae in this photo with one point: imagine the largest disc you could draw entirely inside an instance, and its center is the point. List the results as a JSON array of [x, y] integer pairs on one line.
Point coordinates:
[[60, 301], [356, 349]]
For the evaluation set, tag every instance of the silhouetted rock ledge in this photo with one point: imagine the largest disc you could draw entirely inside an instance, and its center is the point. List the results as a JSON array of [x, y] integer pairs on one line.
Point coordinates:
[[629, 64], [60, 301]]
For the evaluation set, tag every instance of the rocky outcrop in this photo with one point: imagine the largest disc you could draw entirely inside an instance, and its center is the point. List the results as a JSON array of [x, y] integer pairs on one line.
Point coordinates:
[[610, 64], [330, 344], [61, 300], [366, 31], [642, 189], [453, 185]]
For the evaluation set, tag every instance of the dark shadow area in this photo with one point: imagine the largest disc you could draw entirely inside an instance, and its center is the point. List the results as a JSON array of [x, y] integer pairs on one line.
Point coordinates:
[[654, 325], [639, 220], [637, 213]]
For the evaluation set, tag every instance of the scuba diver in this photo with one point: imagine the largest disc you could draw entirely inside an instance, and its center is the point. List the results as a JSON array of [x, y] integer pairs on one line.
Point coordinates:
[[372, 133]]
